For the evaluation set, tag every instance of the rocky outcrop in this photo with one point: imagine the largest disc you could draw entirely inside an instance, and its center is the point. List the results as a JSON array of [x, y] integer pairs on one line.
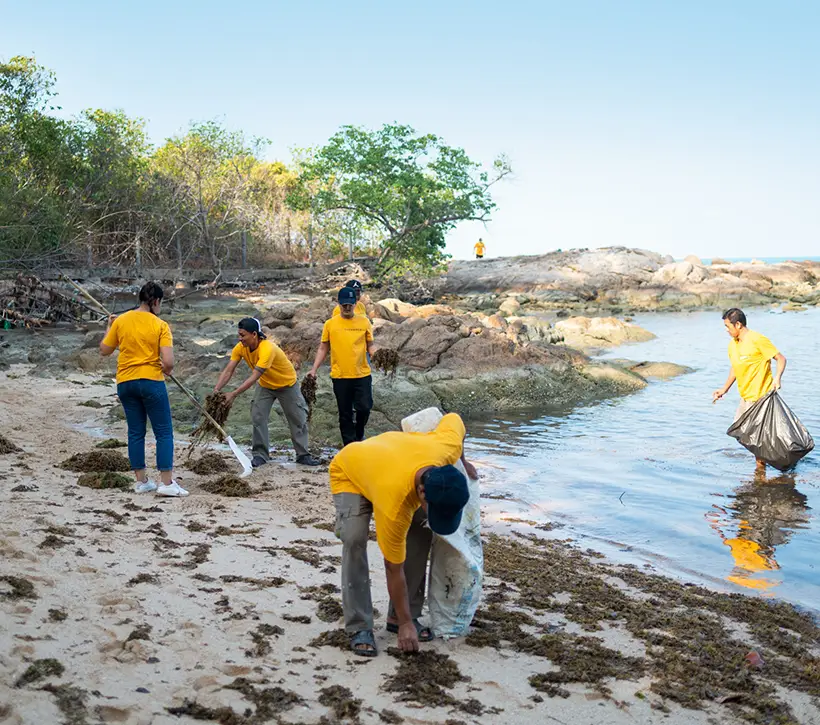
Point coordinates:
[[591, 333], [632, 278]]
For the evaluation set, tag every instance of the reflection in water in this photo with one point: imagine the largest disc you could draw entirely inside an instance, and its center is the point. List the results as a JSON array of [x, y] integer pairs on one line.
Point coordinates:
[[763, 516]]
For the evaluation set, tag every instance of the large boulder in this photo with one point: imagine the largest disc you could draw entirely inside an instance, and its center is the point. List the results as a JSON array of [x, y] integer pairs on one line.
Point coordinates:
[[586, 333]]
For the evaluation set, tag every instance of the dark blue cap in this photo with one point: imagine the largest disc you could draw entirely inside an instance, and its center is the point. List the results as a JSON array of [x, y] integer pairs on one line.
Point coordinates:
[[354, 284], [347, 296], [446, 493]]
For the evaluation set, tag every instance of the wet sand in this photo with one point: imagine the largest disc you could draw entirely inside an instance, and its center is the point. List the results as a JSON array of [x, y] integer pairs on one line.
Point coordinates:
[[128, 608]]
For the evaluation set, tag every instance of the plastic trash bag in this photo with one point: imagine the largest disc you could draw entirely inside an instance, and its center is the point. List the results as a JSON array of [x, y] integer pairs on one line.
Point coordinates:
[[772, 432], [456, 572]]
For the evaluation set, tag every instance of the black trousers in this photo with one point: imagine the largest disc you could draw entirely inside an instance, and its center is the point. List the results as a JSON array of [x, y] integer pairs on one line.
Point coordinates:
[[353, 394]]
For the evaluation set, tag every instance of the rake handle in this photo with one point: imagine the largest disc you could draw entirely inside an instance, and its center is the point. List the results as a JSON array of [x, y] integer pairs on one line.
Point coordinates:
[[198, 405]]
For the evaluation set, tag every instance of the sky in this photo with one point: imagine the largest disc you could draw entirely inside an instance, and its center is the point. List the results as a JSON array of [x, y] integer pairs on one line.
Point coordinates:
[[680, 127]]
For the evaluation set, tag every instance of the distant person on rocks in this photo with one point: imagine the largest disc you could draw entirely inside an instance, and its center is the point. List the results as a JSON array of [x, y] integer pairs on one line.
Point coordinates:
[[750, 354], [146, 356], [479, 249], [349, 339], [359, 309], [274, 378], [408, 483]]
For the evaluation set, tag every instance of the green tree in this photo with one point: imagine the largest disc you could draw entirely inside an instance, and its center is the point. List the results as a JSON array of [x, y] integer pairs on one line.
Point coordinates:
[[412, 187]]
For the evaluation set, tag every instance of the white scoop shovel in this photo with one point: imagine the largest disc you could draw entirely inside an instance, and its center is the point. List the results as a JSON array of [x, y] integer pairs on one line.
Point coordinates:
[[247, 469]]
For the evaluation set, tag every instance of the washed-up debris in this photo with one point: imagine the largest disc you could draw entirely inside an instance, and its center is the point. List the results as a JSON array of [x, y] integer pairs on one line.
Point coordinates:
[[386, 360], [111, 443], [229, 485], [261, 636], [209, 463], [218, 408], [308, 388], [340, 699], [96, 461], [39, 670], [17, 588], [105, 479], [6, 446]]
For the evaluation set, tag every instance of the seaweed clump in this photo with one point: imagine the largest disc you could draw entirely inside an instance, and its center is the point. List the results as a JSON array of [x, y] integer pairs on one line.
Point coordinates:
[[109, 443], [19, 588], [6, 446], [423, 677], [218, 408], [39, 670], [308, 388], [70, 702], [340, 699], [261, 639], [105, 479], [387, 361], [332, 638], [96, 461], [209, 463], [329, 609], [230, 485]]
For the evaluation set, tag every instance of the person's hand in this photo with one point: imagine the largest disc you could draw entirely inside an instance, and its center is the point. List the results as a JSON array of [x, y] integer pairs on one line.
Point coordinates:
[[230, 397], [471, 471], [408, 637], [717, 395], [777, 384], [110, 321], [311, 374]]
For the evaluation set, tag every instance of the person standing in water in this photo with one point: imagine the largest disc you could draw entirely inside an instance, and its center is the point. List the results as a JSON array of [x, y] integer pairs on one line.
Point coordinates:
[[274, 378], [349, 339], [146, 356], [750, 354], [479, 249]]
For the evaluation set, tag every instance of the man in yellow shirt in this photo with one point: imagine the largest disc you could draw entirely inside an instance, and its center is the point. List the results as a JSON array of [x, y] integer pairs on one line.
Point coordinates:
[[480, 248], [359, 309], [750, 354], [404, 481], [275, 379], [349, 339]]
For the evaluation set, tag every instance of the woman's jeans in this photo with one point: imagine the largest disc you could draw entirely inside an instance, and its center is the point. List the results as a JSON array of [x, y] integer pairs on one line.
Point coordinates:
[[147, 400]]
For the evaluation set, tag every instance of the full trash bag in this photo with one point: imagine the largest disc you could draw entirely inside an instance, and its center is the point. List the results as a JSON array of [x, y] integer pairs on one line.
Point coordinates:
[[772, 432], [456, 561]]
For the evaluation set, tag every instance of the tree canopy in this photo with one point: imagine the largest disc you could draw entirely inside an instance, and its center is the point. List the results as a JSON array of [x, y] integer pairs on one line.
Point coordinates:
[[92, 190]]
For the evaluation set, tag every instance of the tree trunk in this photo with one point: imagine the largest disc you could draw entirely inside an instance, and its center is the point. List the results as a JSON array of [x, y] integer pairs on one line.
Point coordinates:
[[138, 253], [244, 249]]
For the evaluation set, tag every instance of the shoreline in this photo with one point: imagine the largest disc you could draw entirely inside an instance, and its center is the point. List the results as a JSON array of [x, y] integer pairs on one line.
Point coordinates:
[[204, 602]]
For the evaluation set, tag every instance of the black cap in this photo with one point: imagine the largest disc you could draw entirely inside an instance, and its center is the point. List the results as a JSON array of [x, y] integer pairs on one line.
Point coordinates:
[[347, 296], [446, 493], [251, 324], [354, 284]]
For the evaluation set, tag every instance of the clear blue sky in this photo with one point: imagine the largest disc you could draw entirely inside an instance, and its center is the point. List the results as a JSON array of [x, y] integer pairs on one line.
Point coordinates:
[[682, 127]]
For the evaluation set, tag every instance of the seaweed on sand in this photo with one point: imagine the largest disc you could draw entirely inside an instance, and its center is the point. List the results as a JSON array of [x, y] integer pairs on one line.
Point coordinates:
[[229, 485], [111, 443], [340, 699], [19, 588], [96, 461], [261, 636], [209, 463], [39, 670], [105, 479], [6, 446], [424, 678]]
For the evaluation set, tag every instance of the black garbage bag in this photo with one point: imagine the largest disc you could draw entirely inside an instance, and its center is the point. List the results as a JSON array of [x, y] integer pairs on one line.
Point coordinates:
[[772, 432]]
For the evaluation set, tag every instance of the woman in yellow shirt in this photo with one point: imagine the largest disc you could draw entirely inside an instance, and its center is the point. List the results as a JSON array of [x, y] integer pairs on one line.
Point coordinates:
[[146, 357]]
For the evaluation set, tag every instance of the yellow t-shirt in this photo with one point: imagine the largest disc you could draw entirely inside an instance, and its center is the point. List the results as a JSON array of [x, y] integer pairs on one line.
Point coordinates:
[[383, 470], [479, 248], [279, 371], [751, 363], [348, 346], [139, 336], [359, 309]]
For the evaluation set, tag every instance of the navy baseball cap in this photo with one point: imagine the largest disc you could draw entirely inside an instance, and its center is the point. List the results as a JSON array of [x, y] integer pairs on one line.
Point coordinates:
[[446, 493], [354, 284], [347, 296]]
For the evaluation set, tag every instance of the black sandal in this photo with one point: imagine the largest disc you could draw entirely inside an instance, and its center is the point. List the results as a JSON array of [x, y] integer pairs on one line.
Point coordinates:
[[364, 638], [425, 634]]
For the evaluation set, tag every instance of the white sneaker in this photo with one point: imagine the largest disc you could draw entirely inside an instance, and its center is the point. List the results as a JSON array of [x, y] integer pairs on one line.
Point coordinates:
[[173, 489], [145, 486]]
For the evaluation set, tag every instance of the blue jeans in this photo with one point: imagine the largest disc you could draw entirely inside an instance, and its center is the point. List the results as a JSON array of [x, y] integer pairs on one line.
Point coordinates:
[[143, 400]]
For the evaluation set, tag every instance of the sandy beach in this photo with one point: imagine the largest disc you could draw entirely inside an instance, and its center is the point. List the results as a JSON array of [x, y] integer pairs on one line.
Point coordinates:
[[128, 608]]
